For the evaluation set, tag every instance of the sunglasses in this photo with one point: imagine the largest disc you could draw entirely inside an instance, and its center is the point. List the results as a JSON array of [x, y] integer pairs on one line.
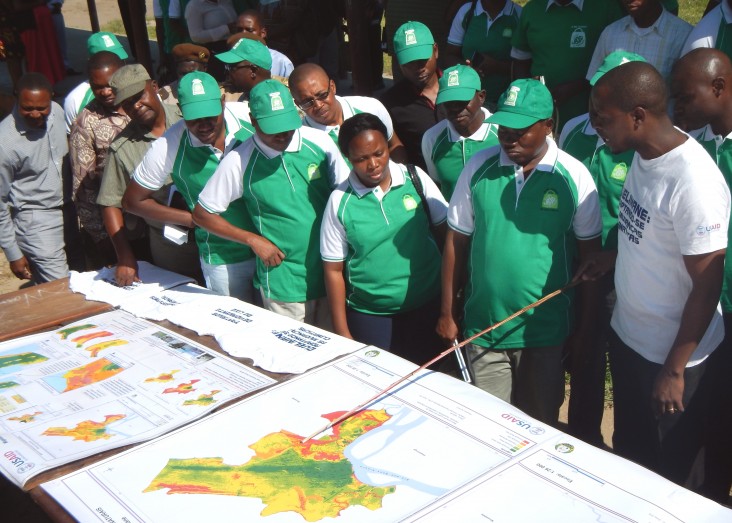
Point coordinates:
[[307, 104]]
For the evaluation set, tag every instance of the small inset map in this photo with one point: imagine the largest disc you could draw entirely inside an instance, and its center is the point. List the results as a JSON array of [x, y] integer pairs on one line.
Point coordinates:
[[88, 374], [94, 349], [319, 481], [164, 377], [65, 333], [204, 399], [26, 418], [182, 388], [87, 430], [81, 340], [16, 361]]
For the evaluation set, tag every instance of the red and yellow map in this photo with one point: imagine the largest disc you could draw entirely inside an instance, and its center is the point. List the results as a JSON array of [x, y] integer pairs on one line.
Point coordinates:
[[87, 430], [313, 478]]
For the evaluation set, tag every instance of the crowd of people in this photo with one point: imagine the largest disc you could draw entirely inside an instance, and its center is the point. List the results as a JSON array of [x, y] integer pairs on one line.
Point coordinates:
[[581, 145]]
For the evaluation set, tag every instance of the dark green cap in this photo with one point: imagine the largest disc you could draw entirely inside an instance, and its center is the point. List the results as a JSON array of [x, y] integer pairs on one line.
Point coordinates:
[[199, 96], [524, 103], [105, 42], [458, 84], [413, 41], [272, 105], [250, 50], [613, 60]]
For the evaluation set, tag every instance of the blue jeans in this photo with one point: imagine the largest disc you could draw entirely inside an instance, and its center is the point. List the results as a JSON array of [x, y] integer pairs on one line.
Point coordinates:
[[231, 279]]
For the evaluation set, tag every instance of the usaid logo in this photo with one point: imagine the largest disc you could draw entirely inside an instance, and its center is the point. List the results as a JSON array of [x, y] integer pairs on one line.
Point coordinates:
[[707, 229], [536, 431], [21, 465]]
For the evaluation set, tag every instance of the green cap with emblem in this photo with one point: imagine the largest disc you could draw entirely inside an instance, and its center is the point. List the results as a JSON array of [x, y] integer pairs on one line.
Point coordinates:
[[105, 42], [252, 51], [458, 84], [199, 96], [271, 103], [413, 41], [524, 103], [613, 60]]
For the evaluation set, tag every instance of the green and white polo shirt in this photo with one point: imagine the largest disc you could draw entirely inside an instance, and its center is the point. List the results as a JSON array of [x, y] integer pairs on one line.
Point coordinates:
[[490, 36], [559, 41], [608, 170], [285, 193], [352, 105], [523, 240], [391, 258], [191, 164], [714, 31], [446, 151], [720, 149]]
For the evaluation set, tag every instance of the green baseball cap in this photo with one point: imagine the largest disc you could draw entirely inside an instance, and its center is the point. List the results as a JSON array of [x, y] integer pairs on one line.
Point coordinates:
[[128, 81], [105, 42], [413, 41], [613, 60], [524, 103], [250, 50], [458, 84], [199, 96], [271, 103]]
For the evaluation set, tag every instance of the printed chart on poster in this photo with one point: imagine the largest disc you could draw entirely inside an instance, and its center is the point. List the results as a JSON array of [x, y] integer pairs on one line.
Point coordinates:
[[104, 382], [404, 456]]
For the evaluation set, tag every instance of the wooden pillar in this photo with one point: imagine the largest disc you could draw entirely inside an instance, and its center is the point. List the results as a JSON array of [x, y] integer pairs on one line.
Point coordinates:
[[358, 39], [93, 17], [139, 39]]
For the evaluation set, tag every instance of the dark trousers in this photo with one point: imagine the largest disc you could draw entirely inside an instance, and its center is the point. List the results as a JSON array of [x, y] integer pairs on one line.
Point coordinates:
[[717, 446], [410, 335], [587, 379], [670, 443]]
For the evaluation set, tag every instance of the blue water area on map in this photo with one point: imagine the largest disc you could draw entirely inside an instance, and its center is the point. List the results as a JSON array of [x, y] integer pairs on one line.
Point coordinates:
[[6, 359]]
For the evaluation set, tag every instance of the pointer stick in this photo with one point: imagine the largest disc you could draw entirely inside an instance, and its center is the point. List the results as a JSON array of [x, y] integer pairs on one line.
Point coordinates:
[[444, 353]]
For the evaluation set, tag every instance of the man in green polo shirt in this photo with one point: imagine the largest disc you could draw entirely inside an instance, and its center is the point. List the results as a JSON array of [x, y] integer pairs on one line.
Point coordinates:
[[517, 217], [285, 174], [608, 170], [189, 152], [555, 39], [450, 143]]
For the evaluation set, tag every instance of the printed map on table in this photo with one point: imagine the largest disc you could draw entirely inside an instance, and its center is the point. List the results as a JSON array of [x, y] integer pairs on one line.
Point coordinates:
[[249, 461], [319, 473], [105, 382], [435, 449]]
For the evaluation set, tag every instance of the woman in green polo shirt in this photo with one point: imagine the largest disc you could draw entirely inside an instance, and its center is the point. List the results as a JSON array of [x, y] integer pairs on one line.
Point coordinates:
[[381, 260]]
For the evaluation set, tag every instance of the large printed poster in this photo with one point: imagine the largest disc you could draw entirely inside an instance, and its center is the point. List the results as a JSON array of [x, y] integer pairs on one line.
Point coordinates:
[[104, 382]]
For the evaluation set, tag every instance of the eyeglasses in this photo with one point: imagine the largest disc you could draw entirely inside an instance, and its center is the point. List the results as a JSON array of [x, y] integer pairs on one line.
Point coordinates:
[[232, 68], [307, 104]]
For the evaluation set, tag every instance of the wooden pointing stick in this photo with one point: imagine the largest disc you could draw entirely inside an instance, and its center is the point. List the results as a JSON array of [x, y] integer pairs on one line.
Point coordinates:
[[516, 314]]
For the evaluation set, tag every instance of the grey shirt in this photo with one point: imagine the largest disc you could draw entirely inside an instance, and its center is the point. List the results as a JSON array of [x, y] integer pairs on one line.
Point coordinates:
[[31, 165]]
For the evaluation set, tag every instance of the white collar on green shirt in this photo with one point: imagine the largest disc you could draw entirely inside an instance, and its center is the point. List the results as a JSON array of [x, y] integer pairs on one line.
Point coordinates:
[[397, 178], [347, 113], [706, 134], [577, 3], [232, 127], [547, 163], [506, 11], [293, 146], [480, 135]]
